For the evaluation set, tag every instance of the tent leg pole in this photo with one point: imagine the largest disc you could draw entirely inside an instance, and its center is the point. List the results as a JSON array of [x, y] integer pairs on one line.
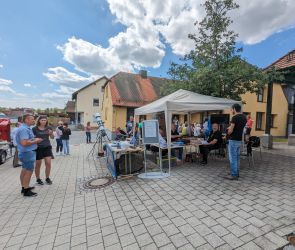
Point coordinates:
[[144, 155], [160, 156]]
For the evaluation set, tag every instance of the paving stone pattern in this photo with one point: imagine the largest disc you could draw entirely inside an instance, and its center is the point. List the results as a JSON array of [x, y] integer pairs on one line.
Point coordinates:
[[195, 208]]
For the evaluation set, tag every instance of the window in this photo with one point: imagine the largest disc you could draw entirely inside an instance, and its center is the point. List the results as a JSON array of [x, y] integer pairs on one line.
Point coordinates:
[[259, 116], [272, 121], [95, 102], [260, 95]]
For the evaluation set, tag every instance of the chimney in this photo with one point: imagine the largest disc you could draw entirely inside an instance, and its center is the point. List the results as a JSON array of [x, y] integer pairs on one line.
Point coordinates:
[[143, 74]]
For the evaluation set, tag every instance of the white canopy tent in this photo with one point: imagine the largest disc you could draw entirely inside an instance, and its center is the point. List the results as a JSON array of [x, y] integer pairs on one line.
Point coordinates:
[[183, 102]]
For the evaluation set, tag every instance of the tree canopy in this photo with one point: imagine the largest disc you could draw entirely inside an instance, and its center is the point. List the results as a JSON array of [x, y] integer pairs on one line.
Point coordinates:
[[215, 67]]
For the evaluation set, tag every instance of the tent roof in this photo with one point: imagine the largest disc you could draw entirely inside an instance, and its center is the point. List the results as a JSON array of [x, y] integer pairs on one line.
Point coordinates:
[[185, 101]]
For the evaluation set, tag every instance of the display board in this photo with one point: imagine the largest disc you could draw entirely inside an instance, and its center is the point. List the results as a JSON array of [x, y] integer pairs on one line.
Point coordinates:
[[150, 130]]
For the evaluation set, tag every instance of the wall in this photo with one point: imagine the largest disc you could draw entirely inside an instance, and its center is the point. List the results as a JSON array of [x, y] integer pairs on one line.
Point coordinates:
[[85, 101], [107, 109], [119, 117], [279, 109]]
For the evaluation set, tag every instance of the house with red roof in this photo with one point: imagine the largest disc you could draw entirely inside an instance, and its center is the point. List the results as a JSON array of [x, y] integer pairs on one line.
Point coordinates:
[[125, 92]]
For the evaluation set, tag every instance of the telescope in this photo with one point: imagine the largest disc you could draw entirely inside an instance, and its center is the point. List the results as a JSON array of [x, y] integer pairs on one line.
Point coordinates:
[[100, 123], [101, 135]]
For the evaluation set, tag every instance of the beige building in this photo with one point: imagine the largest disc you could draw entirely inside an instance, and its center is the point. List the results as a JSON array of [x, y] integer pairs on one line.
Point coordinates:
[[88, 101]]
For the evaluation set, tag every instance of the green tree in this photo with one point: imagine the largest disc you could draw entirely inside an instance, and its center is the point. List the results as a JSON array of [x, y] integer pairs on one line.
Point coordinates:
[[215, 66]]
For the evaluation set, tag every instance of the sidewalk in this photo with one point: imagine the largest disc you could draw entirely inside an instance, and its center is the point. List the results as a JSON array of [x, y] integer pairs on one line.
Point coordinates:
[[195, 208]]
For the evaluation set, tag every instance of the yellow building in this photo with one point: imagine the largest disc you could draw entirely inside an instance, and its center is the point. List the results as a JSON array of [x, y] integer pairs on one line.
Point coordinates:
[[282, 99], [88, 101]]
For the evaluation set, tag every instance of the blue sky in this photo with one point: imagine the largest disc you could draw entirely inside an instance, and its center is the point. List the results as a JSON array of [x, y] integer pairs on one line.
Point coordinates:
[[48, 49]]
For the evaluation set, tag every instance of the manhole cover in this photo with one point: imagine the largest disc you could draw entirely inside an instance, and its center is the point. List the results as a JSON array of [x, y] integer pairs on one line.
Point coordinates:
[[98, 183]]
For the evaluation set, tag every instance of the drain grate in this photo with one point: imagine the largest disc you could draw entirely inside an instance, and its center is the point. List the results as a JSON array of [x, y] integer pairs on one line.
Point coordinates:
[[98, 183]]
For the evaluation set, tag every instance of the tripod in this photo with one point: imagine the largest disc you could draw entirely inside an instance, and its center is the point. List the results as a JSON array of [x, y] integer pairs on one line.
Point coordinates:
[[101, 139]]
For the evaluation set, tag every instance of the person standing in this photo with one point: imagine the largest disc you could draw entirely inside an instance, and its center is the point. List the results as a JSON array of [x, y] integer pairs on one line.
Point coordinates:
[[129, 126], [58, 134], [235, 135], [88, 132], [44, 149], [15, 162], [248, 127], [26, 145], [140, 124], [197, 130], [66, 132]]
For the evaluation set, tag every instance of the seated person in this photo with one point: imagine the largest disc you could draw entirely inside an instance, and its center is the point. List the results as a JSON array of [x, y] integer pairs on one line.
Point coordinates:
[[163, 144], [120, 134], [214, 141]]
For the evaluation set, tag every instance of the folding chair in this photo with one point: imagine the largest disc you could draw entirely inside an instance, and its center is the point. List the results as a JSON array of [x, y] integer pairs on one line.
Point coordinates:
[[256, 144]]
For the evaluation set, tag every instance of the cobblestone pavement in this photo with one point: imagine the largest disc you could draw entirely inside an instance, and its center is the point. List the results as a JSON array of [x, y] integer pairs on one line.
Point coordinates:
[[195, 208]]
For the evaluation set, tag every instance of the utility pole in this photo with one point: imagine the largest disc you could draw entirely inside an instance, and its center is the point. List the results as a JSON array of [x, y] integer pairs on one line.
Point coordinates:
[[293, 120], [291, 137], [267, 140], [268, 108]]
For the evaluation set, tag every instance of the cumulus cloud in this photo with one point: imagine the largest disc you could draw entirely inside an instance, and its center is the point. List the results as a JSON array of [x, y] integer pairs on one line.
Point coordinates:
[[5, 81], [148, 24], [54, 95], [1, 66], [63, 76], [28, 85], [32, 102], [257, 20], [62, 94], [66, 90], [7, 89]]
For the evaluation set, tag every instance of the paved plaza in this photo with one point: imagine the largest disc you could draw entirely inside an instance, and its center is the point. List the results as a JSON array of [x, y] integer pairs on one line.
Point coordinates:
[[195, 208]]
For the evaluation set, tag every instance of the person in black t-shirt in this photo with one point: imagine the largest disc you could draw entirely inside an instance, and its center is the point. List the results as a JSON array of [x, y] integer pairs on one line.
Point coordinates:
[[214, 142], [44, 149], [235, 135]]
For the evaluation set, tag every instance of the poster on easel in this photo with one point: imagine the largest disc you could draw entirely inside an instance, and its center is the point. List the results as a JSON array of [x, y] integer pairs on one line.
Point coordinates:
[[150, 135], [150, 130]]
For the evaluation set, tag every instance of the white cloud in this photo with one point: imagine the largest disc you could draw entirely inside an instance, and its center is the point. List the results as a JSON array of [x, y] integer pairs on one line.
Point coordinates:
[[257, 20], [63, 76], [5, 81], [32, 102], [54, 95], [62, 94], [1, 66], [28, 85], [148, 23], [7, 89], [66, 90]]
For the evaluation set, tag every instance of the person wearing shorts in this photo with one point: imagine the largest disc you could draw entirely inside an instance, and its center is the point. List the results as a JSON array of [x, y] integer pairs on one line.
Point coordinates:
[[27, 144], [44, 149]]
